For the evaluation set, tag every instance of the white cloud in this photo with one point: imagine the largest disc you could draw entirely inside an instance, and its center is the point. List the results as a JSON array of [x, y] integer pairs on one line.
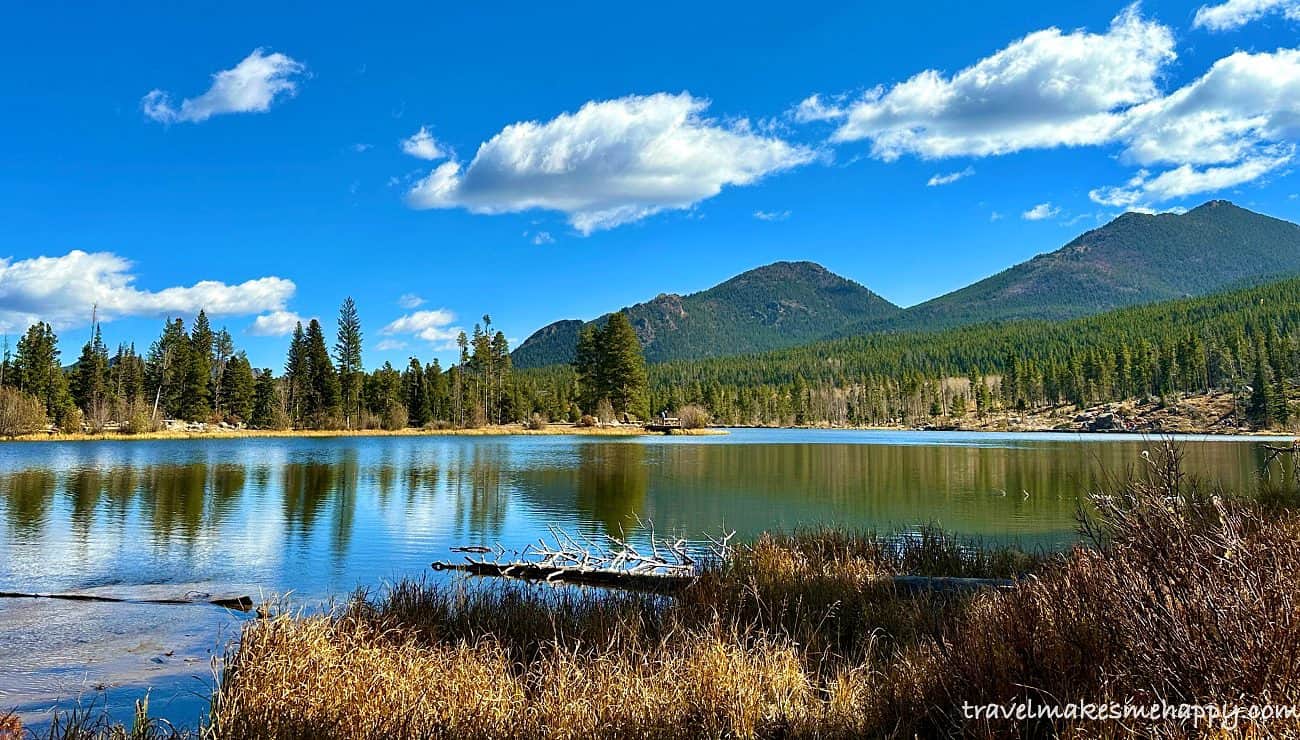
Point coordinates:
[[1234, 124], [1237, 13], [61, 290], [275, 324], [250, 87], [361, 147], [995, 216], [1184, 181], [814, 108], [1040, 212], [949, 178], [1047, 89], [610, 163], [422, 145], [388, 345], [410, 300], [772, 215], [434, 326], [543, 237]]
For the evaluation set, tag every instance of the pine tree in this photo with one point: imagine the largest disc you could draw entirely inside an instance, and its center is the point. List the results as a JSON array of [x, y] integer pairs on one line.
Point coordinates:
[[347, 356], [296, 372], [196, 389], [1263, 405], [90, 388], [611, 367], [415, 394], [37, 371], [238, 387], [321, 389], [266, 403]]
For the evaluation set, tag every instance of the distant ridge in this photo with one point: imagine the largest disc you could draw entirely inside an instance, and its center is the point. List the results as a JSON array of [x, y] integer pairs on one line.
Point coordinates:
[[778, 305], [1136, 258]]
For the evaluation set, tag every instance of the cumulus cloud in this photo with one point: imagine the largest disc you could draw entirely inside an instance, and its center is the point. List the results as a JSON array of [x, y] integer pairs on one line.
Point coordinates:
[[422, 145], [61, 290], [410, 300], [1047, 89], [1237, 13], [610, 163], [1234, 124], [951, 177], [1041, 212], [250, 87], [275, 324], [1183, 181], [388, 345], [543, 237], [1237, 122], [435, 326]]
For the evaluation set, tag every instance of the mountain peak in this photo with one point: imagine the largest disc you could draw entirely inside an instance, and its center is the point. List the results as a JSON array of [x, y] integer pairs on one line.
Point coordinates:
[[768, 307], [1135, 258]]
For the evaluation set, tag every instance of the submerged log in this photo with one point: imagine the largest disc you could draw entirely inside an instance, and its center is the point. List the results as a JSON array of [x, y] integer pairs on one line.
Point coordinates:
[[239, 603]]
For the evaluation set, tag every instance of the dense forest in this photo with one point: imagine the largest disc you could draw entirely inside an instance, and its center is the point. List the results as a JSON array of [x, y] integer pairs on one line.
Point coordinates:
[[1245, 342], [196, 374]]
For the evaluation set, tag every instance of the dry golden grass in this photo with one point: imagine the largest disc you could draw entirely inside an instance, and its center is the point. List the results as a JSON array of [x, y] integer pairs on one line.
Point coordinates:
[[487, 431]]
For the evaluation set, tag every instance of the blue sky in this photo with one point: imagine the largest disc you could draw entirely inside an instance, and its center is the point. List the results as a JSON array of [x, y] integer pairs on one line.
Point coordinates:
[[670, 147]]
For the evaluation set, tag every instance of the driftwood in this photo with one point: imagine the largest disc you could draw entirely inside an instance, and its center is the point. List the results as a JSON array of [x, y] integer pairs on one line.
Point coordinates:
[[662, 566], [659, 566], [239, 603]]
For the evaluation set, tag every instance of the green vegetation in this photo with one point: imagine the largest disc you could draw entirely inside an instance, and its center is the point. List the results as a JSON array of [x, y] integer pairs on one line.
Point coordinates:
[[1134, 259], [1246, 342], [778, 305], [610, 368], [1137, 258]]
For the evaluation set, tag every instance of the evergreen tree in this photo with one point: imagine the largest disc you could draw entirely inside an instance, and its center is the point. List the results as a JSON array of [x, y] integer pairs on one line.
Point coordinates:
[[296, 373], [266, 403], [238, 388], [167, 370], [37, 372], [196, 400], [1263, 404], [415, 394], [90, 389], [347, 356], [321, 389], [611, 367]]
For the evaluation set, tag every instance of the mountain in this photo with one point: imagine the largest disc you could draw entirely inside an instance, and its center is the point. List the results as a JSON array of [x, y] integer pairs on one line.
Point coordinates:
[[778, 305], [1136, 258]]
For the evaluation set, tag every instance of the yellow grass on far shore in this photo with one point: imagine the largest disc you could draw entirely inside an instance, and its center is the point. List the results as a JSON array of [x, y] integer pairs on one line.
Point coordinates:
[[487, 431]]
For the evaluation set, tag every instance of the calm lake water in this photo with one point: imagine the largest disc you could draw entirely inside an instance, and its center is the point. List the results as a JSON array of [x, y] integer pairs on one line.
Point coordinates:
[[318, 518]]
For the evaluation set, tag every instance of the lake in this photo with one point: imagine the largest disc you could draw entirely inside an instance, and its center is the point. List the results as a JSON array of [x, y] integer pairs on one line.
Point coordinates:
[[318, 518]]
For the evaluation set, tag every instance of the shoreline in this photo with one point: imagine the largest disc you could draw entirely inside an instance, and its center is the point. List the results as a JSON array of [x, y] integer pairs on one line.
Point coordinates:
[[502, 430]]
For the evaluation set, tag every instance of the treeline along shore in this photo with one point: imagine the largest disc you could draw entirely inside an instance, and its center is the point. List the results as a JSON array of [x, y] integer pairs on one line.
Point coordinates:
[[1228, 362]]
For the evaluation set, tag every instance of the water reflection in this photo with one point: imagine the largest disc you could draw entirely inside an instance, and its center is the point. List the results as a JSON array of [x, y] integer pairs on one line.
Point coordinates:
[[320, 516]]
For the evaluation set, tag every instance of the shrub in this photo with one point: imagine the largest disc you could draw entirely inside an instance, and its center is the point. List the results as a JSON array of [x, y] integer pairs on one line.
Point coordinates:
[[536, 422], [587, 420], [140, 421], [605, 411], [395, 417], [693, 417], [20, 413]]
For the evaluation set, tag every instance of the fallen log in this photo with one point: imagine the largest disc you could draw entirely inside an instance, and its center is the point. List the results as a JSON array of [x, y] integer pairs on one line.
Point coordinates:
[[606, 577], [238, 603]]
